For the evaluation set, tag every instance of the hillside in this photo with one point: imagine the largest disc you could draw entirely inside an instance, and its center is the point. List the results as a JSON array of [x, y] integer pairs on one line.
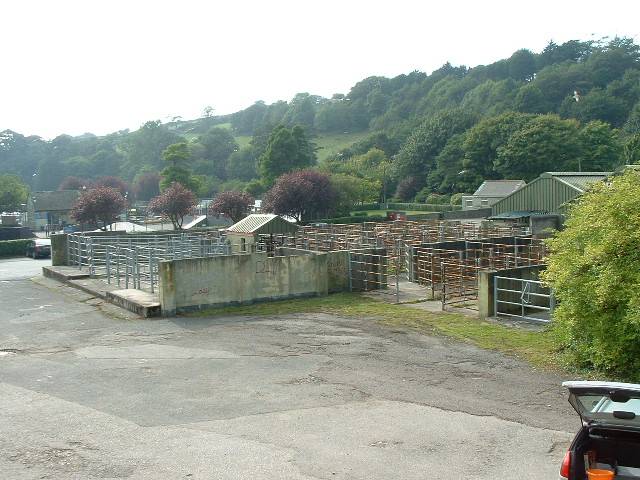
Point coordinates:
[[574, 105]]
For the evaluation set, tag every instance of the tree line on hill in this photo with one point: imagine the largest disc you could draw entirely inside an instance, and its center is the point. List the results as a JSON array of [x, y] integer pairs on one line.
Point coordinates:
[[574, 106]]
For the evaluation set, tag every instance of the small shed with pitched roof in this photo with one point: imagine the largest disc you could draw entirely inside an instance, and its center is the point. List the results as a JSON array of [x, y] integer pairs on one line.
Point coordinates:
[[245, 234]]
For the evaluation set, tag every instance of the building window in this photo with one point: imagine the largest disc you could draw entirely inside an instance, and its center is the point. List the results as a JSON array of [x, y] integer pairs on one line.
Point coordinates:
[[484, 203], [469, 203], [243, 244]]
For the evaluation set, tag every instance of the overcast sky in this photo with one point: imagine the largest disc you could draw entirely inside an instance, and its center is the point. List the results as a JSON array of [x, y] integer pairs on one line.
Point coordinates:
[[101, 66]]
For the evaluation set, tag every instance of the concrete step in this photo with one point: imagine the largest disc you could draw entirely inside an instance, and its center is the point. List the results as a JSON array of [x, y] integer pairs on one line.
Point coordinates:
[[142, 303], [139, 302], [64, 274]]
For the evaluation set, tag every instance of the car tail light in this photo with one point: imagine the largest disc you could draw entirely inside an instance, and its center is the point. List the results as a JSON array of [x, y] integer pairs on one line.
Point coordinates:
[[565, 469]]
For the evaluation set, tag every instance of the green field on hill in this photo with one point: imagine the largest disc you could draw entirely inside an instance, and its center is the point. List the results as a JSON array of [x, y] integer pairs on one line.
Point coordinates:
[[328, 144]]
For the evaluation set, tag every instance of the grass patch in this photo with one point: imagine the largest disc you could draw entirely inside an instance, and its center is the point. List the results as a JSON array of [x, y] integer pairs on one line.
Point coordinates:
[[535, 347], [243, 140], [330, 144]]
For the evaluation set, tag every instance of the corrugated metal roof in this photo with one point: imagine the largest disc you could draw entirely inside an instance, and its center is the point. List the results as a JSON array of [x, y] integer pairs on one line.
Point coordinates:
[[498, 188], [580, 180], [551, 192], [259, 223]]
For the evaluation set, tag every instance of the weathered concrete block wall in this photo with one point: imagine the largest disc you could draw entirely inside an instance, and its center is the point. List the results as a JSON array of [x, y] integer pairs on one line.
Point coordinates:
[[466, 214], [284, 251], [338, 271], [192, 284], [59, 254], [486, 282]]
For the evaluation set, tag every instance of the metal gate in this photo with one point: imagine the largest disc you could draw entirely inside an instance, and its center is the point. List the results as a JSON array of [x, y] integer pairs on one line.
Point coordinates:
[[522, 298]]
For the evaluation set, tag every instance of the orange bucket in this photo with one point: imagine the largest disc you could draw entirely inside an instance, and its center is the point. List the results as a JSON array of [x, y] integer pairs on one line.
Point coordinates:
[[597, 474]]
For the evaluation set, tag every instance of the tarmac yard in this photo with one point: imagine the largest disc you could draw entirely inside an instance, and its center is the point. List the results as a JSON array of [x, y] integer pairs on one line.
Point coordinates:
[[88, 391]]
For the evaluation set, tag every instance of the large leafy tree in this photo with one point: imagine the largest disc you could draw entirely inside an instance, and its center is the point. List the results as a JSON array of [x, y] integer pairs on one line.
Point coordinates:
[[286, 150], [371, 168], [242, 164], [417, 156], [601, 149], [113, 182], [178, 157], [75, 183], [232, 204], [175, 202], [99, 205], [481, 143], [631, 151], [218, 145], [303, 195], [351, 190], [594, 270], [13, 193], [546, 143], [144, 147], [522, 65], [147, 185], [302, 110], [450, 174]]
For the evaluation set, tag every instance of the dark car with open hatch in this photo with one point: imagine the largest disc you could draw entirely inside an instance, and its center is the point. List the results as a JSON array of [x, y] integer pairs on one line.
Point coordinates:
[[608, 444]]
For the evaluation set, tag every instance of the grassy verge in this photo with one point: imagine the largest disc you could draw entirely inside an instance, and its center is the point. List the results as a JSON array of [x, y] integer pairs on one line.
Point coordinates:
[[534, 347]]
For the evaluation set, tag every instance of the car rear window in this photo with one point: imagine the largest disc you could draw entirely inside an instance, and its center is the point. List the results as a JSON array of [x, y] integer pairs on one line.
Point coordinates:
[[623, 409]]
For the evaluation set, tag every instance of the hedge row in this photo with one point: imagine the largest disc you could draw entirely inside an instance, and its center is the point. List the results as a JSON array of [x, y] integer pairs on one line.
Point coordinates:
[[423, 207], [12, 248], [353, 219], [368, 206]]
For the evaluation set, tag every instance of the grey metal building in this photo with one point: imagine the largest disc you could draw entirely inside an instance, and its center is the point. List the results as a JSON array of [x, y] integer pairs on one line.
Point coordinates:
[[550, 193]]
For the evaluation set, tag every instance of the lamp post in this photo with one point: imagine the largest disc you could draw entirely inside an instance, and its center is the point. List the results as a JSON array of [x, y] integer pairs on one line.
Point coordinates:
[[126, 206]]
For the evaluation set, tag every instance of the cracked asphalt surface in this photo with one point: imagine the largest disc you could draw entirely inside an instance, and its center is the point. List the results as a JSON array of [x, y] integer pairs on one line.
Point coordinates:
[[89, 391]]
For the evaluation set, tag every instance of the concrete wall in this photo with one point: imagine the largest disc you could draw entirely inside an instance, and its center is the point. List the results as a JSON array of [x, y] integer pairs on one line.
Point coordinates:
[[545, 226], [486, 280], [59, 250], [466, 214], [192, 284], [285, 251], [338, 271]]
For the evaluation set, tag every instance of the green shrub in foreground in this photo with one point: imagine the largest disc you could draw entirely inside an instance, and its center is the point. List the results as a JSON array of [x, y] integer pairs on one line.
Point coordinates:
[[594, 269]]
